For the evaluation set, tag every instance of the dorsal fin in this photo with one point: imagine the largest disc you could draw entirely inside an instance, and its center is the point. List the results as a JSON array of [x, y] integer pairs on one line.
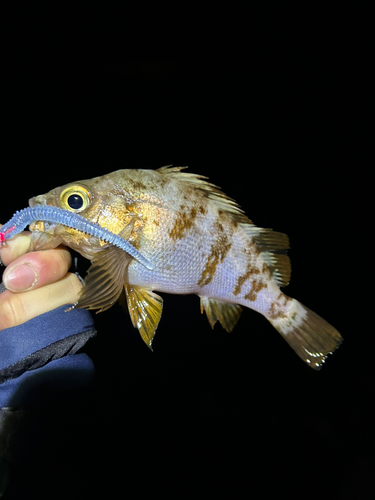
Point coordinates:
[[272, 244], [210, 190]]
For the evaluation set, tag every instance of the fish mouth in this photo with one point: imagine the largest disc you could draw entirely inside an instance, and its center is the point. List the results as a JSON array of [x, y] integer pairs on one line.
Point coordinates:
[[40, 226], [42, 232], [37, 226], [42, 240]]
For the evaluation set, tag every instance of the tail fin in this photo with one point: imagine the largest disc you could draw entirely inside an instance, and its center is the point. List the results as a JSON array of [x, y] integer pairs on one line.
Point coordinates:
[[308, 334]]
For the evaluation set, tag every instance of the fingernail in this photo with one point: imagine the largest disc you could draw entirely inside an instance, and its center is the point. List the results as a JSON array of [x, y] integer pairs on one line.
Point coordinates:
[[20, 278]]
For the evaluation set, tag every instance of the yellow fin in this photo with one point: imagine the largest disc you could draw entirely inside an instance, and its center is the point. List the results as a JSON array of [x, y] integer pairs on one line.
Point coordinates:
[[145, 309], [224, 312], [105, 279]]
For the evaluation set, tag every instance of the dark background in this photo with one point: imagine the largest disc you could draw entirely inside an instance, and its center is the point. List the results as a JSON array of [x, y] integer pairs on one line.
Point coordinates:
[[273, 106]]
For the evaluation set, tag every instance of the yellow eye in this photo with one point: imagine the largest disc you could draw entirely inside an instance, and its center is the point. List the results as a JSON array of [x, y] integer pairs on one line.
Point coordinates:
[[75, 198]]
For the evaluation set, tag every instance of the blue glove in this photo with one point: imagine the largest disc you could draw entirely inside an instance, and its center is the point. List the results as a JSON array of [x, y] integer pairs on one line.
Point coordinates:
[[38, 358]]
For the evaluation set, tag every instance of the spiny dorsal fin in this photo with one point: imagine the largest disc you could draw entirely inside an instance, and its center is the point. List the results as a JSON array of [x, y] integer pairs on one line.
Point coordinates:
[[145, 308], [210, 190], [272, 244], [169, 169], [224, 312]]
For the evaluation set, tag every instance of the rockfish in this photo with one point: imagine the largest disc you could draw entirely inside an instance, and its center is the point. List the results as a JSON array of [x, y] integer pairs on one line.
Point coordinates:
[[198, 241]]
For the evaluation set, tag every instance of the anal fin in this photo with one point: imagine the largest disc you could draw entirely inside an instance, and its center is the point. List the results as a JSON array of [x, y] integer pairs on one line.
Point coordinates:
[[216, 310], [145, 308]]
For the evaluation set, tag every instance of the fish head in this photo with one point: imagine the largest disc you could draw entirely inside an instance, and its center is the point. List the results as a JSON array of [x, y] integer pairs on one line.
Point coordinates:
[[100, 200]]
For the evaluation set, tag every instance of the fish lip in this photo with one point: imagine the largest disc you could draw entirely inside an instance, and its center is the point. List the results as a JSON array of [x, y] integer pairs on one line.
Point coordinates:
[[42, 200], [42, 232], [40, 226]]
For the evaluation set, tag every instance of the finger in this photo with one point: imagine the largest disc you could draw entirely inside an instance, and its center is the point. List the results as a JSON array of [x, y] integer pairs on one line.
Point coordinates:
[[17, 308], [37, 269], [15, 247]]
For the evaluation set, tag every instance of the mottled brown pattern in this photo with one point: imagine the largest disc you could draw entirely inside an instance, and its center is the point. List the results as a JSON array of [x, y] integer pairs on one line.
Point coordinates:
[[136, 185], [274, 312], [284, 298], [256, 287], [232, 221], [250, 271], [218, 252], [188, 194], [182, 223], [251, 250]]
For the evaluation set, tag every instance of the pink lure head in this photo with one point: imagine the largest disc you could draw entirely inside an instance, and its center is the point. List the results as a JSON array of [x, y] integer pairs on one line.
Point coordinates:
[[2, 235]]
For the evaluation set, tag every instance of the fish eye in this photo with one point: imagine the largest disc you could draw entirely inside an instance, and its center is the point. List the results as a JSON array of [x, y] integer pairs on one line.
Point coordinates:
[[75, 198], [75, 201]]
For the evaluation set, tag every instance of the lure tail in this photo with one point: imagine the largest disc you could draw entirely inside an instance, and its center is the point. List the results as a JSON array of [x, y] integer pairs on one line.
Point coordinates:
[[308, 334]]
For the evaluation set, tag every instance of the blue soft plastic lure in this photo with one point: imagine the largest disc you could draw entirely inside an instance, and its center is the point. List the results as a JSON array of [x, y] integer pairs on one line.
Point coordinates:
[[47, 213]]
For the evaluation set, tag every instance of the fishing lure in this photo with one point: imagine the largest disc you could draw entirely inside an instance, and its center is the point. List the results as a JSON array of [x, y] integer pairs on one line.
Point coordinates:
[[47, 213]]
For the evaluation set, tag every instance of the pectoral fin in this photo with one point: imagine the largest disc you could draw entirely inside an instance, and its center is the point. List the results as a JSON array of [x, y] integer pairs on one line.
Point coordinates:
[[224, 312], [145, 309], [105, 279]]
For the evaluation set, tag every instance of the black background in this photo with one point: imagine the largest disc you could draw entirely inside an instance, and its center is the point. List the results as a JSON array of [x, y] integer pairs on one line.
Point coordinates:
[[274, 106]]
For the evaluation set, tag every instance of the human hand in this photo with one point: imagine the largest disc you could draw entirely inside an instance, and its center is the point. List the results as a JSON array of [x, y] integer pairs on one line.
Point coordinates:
[[40, 343], [36, 282]]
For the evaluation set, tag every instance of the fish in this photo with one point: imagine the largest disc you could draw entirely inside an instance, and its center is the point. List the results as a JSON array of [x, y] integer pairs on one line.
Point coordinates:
[[198, 240]]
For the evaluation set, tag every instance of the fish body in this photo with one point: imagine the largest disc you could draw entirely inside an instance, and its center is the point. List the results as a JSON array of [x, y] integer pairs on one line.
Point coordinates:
[[198, 241]]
